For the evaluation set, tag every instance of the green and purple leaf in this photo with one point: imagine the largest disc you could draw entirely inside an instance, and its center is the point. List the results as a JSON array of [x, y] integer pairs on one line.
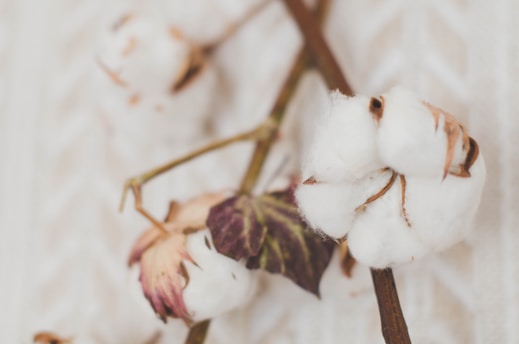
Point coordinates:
[[268, 231]]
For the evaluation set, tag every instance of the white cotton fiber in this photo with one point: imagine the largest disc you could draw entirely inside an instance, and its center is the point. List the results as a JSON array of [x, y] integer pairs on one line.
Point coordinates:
[[218, 284], [343, 145], [380, 236], [327, 207], [442, 211], [408, 139]]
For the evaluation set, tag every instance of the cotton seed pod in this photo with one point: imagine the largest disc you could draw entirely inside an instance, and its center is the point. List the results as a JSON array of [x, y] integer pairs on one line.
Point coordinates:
[[343, 146], [417, 139]]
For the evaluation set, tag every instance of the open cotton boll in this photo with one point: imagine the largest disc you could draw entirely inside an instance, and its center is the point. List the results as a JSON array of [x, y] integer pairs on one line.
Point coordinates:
[[441, 211], [411, 136], [218, 284], [343, 145], [380, 236]]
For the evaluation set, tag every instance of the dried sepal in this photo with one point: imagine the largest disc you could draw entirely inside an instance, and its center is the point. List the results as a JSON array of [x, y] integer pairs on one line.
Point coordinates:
[[268, 231], [163, 275], [161, 255], [453, 130], [50, 338]]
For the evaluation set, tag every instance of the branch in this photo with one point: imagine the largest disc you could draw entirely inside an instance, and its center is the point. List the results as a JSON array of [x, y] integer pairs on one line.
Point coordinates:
[[198, 332], [394, 328]]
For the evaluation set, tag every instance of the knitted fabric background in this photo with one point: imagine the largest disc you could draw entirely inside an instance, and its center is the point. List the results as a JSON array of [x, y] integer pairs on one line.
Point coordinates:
[[66, 148]]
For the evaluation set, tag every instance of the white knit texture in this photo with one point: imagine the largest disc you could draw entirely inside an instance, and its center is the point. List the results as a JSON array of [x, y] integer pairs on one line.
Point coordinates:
[[63, 245]]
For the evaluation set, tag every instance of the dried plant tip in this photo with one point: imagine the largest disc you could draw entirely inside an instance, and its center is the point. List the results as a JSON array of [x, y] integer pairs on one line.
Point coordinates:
[[347, 260], [112, 74], [122, 21], [192, 68], [403, 188], [472, 154], [376, 107], [176, 33], [50, 338], [130, 46], [310, 181]]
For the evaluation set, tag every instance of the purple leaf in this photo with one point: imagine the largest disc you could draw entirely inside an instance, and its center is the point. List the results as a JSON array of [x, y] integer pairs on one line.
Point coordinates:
[[236, 227], [269, 232]]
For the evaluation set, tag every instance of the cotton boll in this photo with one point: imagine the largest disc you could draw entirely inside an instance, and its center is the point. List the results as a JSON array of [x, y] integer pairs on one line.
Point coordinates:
[[343, 146], [410, 140], [442, 211], [218, 284], [380, 236], [145, 57]]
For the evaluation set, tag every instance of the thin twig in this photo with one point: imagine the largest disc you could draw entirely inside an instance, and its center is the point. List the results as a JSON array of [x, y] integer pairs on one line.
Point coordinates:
[[236, 26], [394, 328], [133, 184]]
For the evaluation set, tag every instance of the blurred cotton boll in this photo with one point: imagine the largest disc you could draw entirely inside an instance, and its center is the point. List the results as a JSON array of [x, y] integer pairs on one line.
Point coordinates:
[[217, 284], [164, 80], [343, 146]]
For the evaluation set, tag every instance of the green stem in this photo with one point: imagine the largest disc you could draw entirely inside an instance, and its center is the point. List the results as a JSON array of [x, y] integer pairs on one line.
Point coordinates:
[[276, 115], [394, 328], [279, 108], [141, 179]]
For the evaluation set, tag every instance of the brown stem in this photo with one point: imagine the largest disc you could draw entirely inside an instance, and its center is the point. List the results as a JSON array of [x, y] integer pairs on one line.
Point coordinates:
[[278, 109], [276, 115], [322, 55], [198, 332], [394, 328]]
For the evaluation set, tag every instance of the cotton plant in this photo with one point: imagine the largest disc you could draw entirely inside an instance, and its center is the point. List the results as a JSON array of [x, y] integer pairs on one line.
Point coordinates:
[[404, 181], [385, 181]]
